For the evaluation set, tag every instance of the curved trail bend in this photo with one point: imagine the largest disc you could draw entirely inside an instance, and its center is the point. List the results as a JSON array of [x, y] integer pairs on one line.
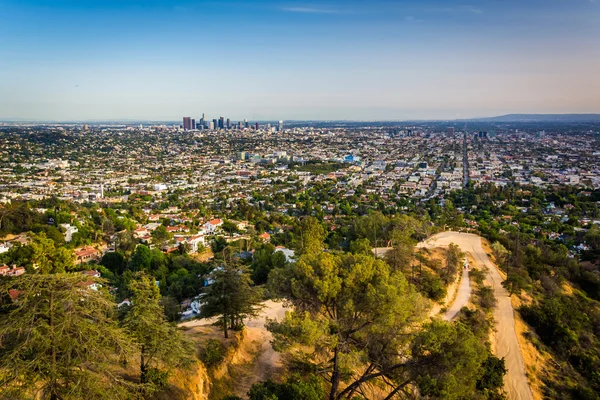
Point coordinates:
[[504, 343]]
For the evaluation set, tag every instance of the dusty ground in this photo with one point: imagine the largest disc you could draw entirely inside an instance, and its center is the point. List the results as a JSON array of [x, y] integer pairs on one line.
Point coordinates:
[[255, 360], [504, 340], [204, 256], [462, 297]]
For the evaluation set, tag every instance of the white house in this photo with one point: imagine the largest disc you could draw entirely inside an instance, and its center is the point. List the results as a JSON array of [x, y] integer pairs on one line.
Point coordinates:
[[69, 231], [195, 241], [4, 248], [212, 225]]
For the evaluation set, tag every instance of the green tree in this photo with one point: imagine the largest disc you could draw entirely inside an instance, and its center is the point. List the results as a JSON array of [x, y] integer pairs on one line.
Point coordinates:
[[516, 281], [264, 260], [231, 296], [492, 379], [350, 310], [501, 254], [361, 246], [293, 388], [160, 344], [141, 259], [592, 237], [229, 227], [114, 261], [453, 259], [160, 235], [46, 258], [311, 237], [448, 360], [57, 338]]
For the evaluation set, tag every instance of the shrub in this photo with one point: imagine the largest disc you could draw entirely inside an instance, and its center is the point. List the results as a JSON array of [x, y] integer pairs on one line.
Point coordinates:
[[487, 300], [431, 286], [213, 353]]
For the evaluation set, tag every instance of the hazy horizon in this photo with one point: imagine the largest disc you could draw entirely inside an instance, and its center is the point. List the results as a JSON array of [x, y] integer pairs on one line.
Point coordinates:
[[159, 60]]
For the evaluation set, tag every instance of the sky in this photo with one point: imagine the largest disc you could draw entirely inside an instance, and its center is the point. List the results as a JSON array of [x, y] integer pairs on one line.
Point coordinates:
[[300, 60]]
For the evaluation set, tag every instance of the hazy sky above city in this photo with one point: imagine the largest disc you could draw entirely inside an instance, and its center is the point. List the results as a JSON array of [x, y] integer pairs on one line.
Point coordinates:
[[360, 60]]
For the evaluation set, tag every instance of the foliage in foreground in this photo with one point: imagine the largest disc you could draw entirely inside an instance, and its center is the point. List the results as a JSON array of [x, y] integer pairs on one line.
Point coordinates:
[[354, 323], [58, 339]]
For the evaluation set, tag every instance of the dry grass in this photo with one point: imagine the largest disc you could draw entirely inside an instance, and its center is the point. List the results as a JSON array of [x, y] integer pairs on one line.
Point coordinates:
[[537, 363]]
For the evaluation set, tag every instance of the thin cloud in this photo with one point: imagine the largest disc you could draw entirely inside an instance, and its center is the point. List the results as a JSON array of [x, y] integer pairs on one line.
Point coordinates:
[[311, 10], [459, 9], [473, 10], [410, 18]]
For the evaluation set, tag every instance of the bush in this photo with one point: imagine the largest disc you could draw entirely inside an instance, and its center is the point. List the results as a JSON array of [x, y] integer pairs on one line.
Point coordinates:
[[477, 275], [431, 286], [294, 388], [156, 378], [492, 379], [213, 353], [487, 300]]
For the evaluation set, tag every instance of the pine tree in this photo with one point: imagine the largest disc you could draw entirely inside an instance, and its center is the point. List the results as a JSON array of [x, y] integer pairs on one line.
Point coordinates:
[[159, 343], [57, 339], [231, 297]]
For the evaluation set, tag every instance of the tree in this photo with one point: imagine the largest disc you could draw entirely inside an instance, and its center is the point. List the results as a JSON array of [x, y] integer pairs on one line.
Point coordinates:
[[229, 227], [453, 257], [350, 310], [448, 360], [361, 246], [160, 235], [516, 281], [592, 237], [141, 259], [231, 297], [159, 343], [492, 379], [126, 242], [293, 388], [264, 260], [312, 236], [46, 258], [114, 261], [184, 248], [57, 338], [431, 285], [501, 254]]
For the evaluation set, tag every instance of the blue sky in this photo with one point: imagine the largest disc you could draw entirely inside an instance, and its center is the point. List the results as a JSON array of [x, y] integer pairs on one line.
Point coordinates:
[[363, 60]]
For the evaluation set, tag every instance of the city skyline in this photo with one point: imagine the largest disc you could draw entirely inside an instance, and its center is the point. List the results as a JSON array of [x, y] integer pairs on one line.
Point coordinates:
[[111, 60]]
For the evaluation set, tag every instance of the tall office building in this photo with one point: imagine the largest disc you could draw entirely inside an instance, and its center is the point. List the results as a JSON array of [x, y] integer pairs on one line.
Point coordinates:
[[280, 127], [202, 122], [211, 124], [256, 126], [215, 124], [222, 122], [193, 124], [450, 132], [228, 123], [187, 123], [246, 123]]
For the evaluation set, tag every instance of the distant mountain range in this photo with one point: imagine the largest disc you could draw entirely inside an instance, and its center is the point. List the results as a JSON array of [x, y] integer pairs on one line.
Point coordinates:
[[541, 118]]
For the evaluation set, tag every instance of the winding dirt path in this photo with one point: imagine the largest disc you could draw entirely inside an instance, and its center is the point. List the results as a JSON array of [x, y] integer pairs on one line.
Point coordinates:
[[504, 341], [462, 297]]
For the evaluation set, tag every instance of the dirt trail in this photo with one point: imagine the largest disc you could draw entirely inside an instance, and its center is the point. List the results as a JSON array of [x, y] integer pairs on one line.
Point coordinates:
[[462, 297], [504, 343], [268, 361]]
